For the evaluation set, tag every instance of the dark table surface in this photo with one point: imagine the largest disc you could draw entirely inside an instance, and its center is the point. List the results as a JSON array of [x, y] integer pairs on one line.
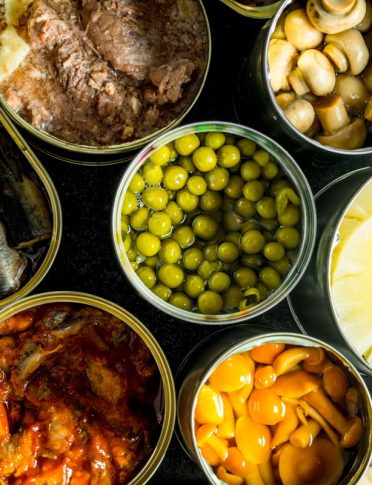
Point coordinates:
[[86, 260]]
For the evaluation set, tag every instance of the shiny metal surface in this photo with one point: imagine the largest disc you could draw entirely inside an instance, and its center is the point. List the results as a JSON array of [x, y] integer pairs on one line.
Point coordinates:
[[253, 11]]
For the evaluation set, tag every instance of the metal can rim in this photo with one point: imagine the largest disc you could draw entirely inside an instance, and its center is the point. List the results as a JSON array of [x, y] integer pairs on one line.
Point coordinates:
[[144, 333], [264, 12]]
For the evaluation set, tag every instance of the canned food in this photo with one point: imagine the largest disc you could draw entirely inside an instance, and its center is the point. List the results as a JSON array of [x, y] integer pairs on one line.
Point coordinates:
[[98, 375], [311, 302], [121, 93], [30, 220], [208, 368]]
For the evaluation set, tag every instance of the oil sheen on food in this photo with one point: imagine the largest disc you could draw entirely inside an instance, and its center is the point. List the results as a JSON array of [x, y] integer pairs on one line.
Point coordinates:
[[102, 72], [80, 398]]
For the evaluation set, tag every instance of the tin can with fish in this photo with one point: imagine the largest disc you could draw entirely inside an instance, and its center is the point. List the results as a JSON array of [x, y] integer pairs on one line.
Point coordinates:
[[100, 381], [30, 217]]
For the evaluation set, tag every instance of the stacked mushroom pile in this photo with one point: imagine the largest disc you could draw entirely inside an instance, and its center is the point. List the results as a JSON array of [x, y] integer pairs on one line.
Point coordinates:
[[320, 73]]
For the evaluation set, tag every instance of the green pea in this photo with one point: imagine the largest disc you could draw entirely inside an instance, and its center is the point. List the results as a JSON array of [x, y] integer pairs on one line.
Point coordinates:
[[266, 207], [219, 281], [162, 291], [137, 184], [270, 170], [184, 235], [129, 203], [214, 140], [250, 298], [147, 276], [191, 258], [246, 147], [210, 302], [227, 252], [288, 236], [282, 266], [207, 268], [161, 156], [197, 185], [127, 242], [245, 207], [274, 251], [194, 285], [182, 301], [217, 179], [187, 164], [171, 275], [262, 157], [160, 224], [139, 219], [124, 223], [290, 216], [233, 237], [147, 244], [230, 139], [210, 252], [155, 198], [204, 159], [175, 212], [277, 185], [186, 144], [245, 277], [228, 156], [153, 174], [253, 190], [152, 261], [205, 227], [132, 254], [270, 278], [170, 251], [232, 297], [252, 241], [250, 170], [252, 260], [234, 188], [174, 177], [187, 201], [211, 201], [264, 292]]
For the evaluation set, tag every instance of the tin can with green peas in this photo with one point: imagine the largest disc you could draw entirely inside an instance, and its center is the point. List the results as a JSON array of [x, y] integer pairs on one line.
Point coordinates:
[[213, 222]]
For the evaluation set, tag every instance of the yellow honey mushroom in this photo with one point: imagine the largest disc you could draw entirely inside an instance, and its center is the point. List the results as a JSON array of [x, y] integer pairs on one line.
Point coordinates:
[[266, 472], [266, 353], [275, 456], [264, 377], [235, 462], [316, 368], [232, 374], [209, 407], [301, 414], [286, 427], [295, 384], [226, 429], [228, 478], [209, 455], [350, 429], [291, 357], [320, 464], [335, 383], [206, 434], [305, 434], [239, 399], [253, 440], [312, 413], [352, 401], [254, 477]]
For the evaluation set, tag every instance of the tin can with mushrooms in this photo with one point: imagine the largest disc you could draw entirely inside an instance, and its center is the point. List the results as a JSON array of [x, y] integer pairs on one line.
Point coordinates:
[[87, 392], [325, 302], [30, 216], [309, 70], [91, 85], [253, 404]]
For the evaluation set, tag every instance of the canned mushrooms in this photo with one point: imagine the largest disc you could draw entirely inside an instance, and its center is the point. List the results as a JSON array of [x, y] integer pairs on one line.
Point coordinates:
[[320, 73]]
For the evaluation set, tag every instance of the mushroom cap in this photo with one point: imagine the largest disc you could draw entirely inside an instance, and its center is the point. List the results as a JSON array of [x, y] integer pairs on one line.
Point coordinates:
[[300, 114], [351, 137], [300, 31], [317, 71], [353, 91], [352, 43], [282, 56], [333, 16]]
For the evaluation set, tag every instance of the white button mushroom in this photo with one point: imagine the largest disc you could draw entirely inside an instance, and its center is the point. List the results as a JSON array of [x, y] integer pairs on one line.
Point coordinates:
[[300, 31], [367, 77], [351, 44], [282, 56], [300, 114], [368, 110], [297, 81], [331, 113], [350, 137], [317, 71], [284, 99], [366, 24], [333, 16], [353, 91]]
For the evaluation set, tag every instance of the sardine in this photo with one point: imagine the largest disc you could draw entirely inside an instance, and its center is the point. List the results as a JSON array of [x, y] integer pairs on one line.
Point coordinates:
[[23, 205], [12, 266]]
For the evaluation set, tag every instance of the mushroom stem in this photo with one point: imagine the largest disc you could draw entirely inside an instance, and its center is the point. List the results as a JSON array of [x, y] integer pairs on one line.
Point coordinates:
[[298, 83], [228, 478], [285, 427], [313, 413], [206, 434], [332, 113], [349, 429], [227, 428], [291, 357], [304, 435]]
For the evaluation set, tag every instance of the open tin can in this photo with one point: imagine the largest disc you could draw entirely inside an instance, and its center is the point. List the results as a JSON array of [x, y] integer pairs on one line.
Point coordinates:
[[97, 314], [311, 302], [205, 357], [30, 214]]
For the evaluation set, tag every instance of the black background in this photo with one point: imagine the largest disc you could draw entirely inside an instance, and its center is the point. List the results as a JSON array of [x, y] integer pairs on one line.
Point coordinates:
[[86, 260]]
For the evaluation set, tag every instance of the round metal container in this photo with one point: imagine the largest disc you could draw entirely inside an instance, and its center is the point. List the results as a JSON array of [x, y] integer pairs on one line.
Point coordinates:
[[55, 209], [255, 97], [140, 329], [292, 171], [253, 11], [217, 347], [310, 302], [101, 155]]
